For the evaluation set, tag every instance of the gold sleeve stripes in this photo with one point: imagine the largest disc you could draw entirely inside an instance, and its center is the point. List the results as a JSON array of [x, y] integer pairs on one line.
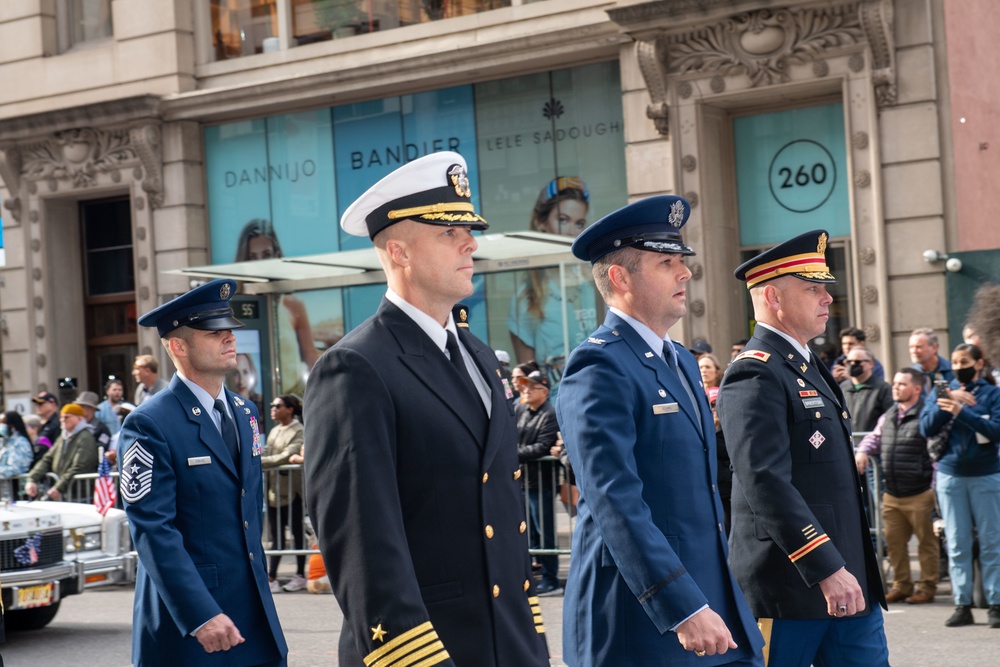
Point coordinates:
[[536, 612], [810, 546], [419, 647]]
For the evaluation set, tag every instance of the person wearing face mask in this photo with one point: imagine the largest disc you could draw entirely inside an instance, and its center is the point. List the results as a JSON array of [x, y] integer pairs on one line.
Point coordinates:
[[968, 478], [868, 397]]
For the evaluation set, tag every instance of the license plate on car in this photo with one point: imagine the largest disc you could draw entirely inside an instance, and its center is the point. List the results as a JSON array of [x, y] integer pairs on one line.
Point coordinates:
[[35, 596]]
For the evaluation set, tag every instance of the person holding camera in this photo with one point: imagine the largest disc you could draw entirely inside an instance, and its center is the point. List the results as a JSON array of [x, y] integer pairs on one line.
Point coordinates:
[[966, 417]]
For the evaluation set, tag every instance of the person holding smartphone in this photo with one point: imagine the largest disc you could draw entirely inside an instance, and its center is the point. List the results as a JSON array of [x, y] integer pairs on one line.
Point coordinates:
[[968, 478]]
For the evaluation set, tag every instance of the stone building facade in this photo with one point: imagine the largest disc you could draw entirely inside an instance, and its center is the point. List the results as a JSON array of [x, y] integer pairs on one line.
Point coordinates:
[[124, 118]]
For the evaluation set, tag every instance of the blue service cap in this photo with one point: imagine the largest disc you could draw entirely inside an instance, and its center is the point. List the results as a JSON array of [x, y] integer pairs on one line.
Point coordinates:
[[205, 307], [652, 224]]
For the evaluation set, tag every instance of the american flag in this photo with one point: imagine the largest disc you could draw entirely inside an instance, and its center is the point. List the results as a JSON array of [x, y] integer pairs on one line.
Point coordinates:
[[104, 487]]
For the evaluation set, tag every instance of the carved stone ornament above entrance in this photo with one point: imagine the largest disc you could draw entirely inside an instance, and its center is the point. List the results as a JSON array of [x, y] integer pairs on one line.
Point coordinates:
[[677, 40]]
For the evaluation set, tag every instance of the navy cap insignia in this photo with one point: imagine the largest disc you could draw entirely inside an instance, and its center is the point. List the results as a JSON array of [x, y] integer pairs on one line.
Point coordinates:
[[676, 215], [224, 291], [196, 411], [460, 179], [137, 473]]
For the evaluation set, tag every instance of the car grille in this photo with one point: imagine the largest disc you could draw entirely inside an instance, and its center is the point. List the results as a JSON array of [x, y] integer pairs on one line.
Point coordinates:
[[49, 551]]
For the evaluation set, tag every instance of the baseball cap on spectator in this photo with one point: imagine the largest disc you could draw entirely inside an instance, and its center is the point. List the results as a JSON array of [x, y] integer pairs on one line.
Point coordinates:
[[702, 347], [503, 357], [44, 397], [87, 399], [535, 377], [72, 409]]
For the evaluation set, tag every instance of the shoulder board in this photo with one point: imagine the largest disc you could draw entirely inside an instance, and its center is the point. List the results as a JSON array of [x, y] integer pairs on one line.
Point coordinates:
[[753, 354]]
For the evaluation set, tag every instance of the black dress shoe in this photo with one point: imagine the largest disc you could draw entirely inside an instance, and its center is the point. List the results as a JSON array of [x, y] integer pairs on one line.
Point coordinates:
[[963, 616], [993, 616]]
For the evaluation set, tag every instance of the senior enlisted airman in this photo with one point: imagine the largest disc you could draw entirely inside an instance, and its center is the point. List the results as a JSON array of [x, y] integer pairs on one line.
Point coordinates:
[[648, 582], [190, 468], [800, 544], [411, 459]]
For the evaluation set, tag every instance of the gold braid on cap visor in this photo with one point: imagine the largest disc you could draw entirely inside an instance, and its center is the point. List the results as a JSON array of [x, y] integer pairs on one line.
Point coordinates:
[[808, 265], [415, 211]]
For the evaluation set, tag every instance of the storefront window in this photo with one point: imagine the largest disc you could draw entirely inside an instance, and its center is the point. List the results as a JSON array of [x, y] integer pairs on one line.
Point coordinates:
[[80, 21], [243, 27], [321, 20], [545, 152]]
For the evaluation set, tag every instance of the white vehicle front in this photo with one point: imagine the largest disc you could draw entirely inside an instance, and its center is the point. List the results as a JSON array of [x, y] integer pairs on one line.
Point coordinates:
[[102, 544], [34, 573]]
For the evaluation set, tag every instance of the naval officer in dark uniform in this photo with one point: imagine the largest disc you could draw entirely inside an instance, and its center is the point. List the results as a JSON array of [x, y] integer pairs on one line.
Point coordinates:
[[411, 458], [800, 545], [189, 459], [648, 582]]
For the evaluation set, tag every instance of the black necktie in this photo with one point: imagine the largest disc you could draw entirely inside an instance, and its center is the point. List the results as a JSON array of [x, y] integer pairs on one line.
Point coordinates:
[[458, 362], [668, 356], [228, 430]]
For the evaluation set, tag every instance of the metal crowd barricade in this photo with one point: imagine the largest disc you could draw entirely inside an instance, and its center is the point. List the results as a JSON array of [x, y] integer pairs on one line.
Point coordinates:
[[873, 480], [550, 474], [286, 481]]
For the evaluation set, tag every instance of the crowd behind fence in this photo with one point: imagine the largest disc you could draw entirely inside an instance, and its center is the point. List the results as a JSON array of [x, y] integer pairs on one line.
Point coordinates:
[[286, 481]]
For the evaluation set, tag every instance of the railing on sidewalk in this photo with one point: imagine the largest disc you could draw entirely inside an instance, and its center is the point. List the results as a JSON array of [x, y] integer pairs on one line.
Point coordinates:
[[551, 522]]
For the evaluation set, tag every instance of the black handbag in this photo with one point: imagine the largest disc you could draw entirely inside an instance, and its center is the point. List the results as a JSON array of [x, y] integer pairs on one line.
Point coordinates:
[[937, 443]]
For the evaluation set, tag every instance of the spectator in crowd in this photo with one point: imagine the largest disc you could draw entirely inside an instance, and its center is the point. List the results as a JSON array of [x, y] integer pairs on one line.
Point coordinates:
[[32, 424], [725, 471], [925, 357], [908, 501], [284, 487], [984, 324], [47, 408], [868, 397], [700, 348], [107, 410], [505, 374], [15, 448], [850, 338], [146, 372], [102, 434], [968, 478], [801, 548], [710, 369], [74, 452], [412, 479], [991, 373], [537, 432], [737, 348], [521, 371], [648, 581]]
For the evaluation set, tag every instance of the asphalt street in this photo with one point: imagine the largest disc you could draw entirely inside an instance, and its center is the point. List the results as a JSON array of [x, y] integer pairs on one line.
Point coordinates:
[[95, 628]]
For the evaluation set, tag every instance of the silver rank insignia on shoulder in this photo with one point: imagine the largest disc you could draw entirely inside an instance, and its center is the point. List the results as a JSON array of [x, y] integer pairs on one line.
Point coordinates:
[[596, 341], [238, 400], [196, 411], [649, 355]]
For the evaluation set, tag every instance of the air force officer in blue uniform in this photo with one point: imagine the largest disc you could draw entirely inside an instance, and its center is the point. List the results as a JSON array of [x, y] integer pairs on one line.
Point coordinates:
[[648, 583], [801, 549], [191, 483]]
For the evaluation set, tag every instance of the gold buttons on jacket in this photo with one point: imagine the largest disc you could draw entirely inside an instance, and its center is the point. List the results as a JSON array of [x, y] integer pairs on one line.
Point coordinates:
[[517, 474], [489, 532], [486, 476], [496, 591], [522, 527], [526, 585]]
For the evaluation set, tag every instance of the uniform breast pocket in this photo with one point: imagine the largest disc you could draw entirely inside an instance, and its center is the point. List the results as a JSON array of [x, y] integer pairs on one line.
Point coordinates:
[[811, 433]]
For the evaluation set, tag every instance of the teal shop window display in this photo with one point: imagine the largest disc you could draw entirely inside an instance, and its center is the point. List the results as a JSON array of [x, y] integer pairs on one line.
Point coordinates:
[[791, 174]]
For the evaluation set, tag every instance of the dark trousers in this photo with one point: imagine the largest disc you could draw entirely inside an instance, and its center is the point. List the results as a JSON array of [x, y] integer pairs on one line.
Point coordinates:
[[542, 533], [277, 519]]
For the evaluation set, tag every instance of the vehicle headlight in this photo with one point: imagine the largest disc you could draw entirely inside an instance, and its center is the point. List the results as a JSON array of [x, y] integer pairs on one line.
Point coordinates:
[[87, 539]]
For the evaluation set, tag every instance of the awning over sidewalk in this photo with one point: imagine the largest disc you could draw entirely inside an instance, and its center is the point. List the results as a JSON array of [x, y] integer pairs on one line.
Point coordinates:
[[496, 252]]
